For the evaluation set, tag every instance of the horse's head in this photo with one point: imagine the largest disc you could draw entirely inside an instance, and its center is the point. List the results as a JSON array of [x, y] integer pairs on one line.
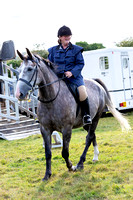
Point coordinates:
[[27, 75]]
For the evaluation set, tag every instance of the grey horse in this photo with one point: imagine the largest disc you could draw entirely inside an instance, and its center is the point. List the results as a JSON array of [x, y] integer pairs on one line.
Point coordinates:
[[57, 107]]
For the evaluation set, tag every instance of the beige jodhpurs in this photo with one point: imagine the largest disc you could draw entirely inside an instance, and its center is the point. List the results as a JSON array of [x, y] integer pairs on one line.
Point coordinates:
[[82, 93]]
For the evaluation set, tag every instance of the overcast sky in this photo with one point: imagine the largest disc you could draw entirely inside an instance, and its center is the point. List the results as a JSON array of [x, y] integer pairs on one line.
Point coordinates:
[[29, 22]]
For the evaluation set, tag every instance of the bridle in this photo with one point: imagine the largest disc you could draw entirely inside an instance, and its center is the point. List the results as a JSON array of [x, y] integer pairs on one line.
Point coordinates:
[[29, 82], [33, 88]]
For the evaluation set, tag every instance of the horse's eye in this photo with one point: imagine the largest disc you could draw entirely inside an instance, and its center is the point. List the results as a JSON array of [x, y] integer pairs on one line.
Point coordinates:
[[29, 69]]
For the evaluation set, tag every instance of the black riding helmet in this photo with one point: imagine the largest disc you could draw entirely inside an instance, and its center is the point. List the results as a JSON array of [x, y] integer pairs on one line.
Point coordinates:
[[63, 31]]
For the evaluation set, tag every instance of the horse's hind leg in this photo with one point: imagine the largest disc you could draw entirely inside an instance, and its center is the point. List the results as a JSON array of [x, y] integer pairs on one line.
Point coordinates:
[[89, 138], [65, 151], [96, 151]]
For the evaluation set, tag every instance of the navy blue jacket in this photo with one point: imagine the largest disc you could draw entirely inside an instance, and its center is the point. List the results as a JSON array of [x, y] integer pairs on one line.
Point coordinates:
[[69, 59]]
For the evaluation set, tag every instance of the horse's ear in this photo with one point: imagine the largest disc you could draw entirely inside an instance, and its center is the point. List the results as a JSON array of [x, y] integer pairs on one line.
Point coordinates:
[[29, 54], [20, 55]]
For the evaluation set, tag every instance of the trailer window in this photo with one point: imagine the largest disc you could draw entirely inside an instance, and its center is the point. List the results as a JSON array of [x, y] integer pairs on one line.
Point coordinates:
[[125, 63], [104, 63]]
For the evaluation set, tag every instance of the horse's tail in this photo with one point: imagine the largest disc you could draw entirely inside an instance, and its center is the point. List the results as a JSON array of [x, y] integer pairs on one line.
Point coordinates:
[[120, 118]]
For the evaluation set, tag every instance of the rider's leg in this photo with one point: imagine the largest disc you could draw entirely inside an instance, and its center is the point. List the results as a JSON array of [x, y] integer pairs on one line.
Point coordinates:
[[84, 103]]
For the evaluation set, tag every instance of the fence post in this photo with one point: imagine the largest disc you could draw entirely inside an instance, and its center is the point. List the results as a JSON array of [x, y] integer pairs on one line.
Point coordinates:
[[16, 102], [0, 110], [1, 84], [7, 101]]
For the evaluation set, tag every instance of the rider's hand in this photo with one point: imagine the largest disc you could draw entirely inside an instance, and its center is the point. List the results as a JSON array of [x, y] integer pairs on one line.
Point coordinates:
[[68, 74]]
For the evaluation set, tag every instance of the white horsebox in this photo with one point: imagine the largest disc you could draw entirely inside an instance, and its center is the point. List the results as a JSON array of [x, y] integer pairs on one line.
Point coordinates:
[[114, 66]]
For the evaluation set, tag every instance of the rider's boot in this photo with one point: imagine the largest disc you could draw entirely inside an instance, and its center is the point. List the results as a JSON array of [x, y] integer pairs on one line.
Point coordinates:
[[85, 110]]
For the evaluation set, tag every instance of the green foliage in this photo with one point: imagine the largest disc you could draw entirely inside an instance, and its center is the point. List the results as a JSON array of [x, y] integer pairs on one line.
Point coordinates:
[[42, 53], [22, 166], [89, 47], [15, 63], [40, 50], [128, 42], [85, 45]]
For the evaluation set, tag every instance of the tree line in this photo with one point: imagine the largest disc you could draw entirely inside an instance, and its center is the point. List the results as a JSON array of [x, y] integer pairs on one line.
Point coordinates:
[[40, 49]]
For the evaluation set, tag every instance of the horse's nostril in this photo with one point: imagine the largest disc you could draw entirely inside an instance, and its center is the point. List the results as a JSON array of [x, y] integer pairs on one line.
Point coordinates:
[[21, 94]]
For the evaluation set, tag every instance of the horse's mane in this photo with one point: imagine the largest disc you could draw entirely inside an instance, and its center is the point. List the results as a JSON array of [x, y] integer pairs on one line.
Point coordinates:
[[48, 63]]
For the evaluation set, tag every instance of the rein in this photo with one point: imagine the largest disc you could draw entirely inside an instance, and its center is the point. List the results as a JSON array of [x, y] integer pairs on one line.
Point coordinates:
[[48, 101], [47, 84]]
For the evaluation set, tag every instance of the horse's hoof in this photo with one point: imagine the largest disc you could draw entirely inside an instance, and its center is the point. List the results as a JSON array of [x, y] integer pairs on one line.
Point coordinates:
[[46, 177], [95, 158], [78, 168], [72, 169], [95, 161]]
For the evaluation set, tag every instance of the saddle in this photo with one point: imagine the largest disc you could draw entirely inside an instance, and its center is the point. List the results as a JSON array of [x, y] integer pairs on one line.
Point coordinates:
[[73, 89]]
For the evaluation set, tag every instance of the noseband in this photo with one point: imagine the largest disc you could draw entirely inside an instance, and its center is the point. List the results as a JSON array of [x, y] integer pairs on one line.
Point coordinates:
[[33, 86]]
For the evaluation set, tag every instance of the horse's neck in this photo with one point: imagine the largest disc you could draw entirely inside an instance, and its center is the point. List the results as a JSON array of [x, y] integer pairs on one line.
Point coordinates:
[[48, 92]]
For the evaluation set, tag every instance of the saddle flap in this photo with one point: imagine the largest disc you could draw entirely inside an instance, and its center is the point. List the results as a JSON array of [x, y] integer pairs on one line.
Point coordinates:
[[73, 89]]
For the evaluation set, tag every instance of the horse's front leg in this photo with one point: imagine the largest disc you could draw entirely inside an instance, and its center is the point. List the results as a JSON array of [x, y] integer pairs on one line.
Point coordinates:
[[65, 151], [47, 142]]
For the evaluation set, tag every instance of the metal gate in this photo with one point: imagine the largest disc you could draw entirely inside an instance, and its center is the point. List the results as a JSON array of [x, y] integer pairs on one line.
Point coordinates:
[[11, 103]]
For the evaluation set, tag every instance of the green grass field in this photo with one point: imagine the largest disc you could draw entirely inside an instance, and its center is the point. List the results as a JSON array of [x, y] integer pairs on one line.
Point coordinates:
[[22, 166]]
